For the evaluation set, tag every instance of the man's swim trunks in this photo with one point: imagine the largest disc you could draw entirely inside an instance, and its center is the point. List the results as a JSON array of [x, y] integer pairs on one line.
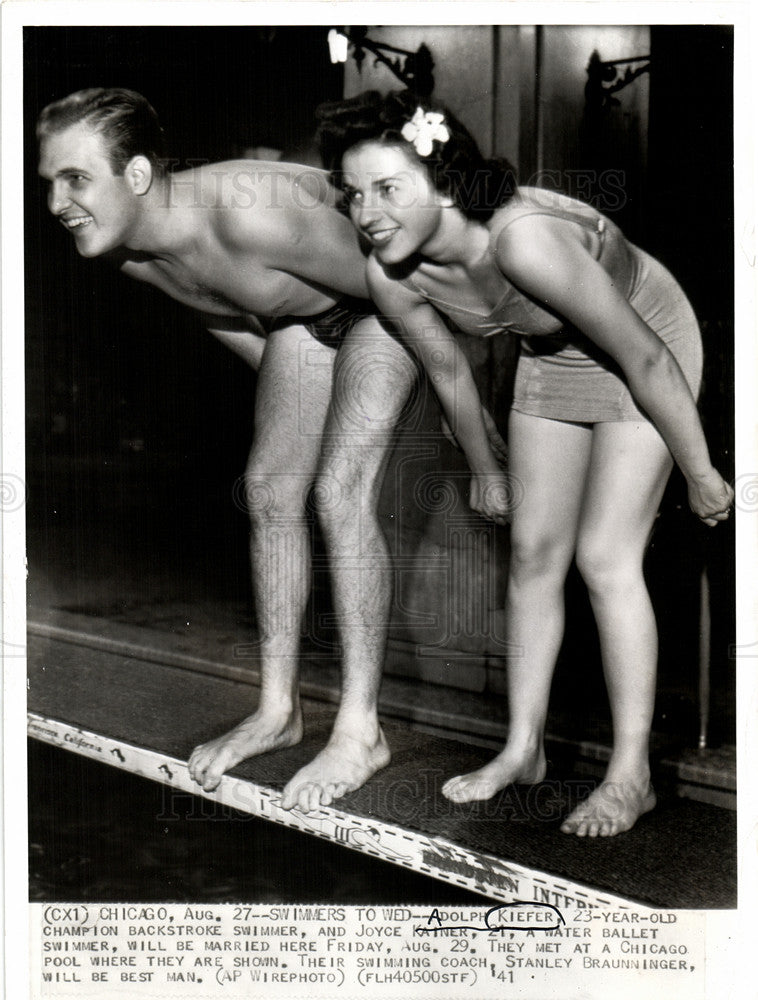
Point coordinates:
[[333, 325]]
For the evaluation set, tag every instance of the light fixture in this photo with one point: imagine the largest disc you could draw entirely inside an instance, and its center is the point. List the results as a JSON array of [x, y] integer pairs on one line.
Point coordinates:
[[413, 69], [337, 46], [604, 78]]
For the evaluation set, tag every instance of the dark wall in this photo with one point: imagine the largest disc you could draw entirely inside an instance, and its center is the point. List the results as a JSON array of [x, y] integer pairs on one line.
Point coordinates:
[[690, 227], [691, 161], [217, 90]]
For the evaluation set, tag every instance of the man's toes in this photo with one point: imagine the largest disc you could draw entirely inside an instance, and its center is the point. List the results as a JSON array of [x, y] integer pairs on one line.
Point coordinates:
[[313, 798], [298, 799], [199, 764], [338, 789], [306, 798], [291, 796], [286, 800], [325, 794], [211, 779], [332, 791]]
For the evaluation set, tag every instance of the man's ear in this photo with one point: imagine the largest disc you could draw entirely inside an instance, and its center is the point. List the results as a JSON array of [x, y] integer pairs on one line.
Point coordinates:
[[139, 174]]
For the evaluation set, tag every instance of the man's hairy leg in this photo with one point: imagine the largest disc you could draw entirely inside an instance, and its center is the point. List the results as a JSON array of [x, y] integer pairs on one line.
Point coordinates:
[[373, 380], [292, 400]]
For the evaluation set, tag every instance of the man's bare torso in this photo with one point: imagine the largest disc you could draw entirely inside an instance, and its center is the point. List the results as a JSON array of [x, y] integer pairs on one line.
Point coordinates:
[[257, 238]]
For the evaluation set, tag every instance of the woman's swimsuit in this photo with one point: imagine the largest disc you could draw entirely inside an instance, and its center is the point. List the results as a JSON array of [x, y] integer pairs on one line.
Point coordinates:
[[561, 374]]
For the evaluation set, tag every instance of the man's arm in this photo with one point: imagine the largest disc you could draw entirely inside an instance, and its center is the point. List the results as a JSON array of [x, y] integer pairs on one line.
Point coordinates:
[[249, 343], [243, 335]]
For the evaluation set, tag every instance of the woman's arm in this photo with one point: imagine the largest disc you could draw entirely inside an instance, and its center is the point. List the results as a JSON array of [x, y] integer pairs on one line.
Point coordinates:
[[449, 372], [546, 261]]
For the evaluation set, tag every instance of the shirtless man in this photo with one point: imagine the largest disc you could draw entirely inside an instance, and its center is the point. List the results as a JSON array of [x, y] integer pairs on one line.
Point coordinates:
[[259, 248]]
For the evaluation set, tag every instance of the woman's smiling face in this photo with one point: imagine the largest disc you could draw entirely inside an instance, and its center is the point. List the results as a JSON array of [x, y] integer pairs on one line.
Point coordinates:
[[392, 200]]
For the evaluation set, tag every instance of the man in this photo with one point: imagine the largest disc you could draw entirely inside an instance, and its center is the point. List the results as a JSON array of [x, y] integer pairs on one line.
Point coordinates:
[[260, 248]]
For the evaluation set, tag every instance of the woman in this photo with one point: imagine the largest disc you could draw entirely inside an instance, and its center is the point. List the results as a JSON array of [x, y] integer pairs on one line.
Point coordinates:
[[605, 393]]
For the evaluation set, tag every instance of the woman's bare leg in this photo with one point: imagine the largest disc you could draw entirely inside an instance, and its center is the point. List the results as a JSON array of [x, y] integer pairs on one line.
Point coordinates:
[[551, 459], [628, 472]]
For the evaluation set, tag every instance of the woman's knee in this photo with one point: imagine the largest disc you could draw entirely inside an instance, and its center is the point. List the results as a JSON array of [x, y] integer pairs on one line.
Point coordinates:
[[605, 564], [535, 556]]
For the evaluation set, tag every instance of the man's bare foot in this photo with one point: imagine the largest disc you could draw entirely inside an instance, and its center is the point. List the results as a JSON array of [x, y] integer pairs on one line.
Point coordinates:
[[256, 734], [614, 807], [508, 768], [343, 765]]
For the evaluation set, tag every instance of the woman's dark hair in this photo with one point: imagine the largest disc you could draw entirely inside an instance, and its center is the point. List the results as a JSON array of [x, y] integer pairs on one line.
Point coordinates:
[[128, 124], [457, 168]]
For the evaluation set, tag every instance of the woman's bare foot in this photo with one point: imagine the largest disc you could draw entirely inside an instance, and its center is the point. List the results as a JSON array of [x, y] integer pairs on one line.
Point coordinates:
[[508, 768], [256, 734], [345, 763], [614, 807]]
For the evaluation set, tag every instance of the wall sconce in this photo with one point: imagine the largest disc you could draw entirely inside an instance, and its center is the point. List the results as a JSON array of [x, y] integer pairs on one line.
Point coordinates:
[[604, 78], [413, 69]]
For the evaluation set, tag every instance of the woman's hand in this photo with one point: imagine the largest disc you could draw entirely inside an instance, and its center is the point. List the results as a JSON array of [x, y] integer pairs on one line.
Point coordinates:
[[494, 495], [710, 497]]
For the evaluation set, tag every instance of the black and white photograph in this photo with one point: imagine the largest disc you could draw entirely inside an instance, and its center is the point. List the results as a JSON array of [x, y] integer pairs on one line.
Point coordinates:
[[378, 501]]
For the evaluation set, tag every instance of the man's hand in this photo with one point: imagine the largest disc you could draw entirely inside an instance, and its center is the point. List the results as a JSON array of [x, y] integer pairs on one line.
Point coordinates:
[[498, 445]]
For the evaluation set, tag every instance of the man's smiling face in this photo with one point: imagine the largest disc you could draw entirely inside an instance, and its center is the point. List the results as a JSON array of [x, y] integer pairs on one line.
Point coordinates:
[[96, 206]]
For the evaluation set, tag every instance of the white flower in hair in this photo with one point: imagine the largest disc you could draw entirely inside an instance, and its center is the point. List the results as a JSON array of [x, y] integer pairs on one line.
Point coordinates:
[[423, 129]]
